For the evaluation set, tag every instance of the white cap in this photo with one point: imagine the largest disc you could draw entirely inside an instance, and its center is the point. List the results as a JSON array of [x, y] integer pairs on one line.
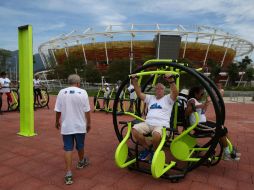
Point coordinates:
[[185, 91], [106, 84]]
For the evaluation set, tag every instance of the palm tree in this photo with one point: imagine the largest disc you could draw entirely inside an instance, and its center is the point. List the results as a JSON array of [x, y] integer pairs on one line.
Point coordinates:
[[244, 63]]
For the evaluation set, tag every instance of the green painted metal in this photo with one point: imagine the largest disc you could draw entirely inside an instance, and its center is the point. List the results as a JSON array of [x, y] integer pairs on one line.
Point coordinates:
[[97, 101], [176, 105], [161, 72], [159, 167], [230, 145], [26, 81], [182, 146], [133, 115], [121, 154]]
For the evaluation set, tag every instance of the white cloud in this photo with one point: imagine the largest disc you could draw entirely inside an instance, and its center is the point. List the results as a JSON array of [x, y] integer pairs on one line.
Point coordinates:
[[6, 12], [53, 17], [50, 27]]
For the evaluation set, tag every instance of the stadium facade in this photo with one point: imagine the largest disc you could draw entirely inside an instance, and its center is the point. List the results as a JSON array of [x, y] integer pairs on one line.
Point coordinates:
[[139, 42]]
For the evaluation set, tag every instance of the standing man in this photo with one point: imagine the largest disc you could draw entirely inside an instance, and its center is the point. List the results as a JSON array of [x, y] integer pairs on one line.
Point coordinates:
[[1, 81], [133, 97], [5, 88], [37, 88], [72, 106], [158, 116]]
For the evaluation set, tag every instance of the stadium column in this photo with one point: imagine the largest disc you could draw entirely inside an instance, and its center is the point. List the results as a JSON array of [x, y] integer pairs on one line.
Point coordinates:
[[26, 81]]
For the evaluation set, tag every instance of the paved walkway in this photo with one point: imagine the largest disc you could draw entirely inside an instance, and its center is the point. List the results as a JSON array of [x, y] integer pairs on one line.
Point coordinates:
[[37, 162]]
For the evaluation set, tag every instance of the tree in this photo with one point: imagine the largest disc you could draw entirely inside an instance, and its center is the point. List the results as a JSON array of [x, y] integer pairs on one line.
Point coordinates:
[[118, 70], [233, 71], [214, 68], [249, 74], [91, 73], [244, 63]]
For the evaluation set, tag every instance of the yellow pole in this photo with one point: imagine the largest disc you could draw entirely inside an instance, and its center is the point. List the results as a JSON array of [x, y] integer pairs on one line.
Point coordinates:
[[26, 81]]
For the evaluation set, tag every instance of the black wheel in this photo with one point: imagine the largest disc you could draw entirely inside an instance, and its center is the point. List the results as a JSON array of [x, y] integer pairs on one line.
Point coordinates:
[[43, 102], [209, 86]]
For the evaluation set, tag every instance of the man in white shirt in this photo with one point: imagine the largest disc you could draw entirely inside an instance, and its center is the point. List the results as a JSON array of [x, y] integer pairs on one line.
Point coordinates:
[[72, 106], [133, 97], [158, 116], [1, 79], [5, 89], [37, 88]]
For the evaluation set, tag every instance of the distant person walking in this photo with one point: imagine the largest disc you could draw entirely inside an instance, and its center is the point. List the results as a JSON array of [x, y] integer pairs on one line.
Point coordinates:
[[5, 84], [72, 106]]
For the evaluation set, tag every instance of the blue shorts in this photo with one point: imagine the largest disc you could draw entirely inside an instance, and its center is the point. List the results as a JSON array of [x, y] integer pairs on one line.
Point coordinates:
[[68, 141]]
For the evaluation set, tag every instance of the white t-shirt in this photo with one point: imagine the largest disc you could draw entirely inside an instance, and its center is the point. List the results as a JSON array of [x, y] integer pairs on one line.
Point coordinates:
[[106, 92], [5, 83], [201, 113], [159, 110], [133, 95], [37, 83], [72, 102]]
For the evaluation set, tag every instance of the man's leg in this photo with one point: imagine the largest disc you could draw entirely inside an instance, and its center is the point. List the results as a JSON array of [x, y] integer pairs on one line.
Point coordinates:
[[80, 143], [156, 139], [39, 93], [68, 147], [34, 96], [1, 103], [131, 105], [140, 138], [9, 98], [68, 160]]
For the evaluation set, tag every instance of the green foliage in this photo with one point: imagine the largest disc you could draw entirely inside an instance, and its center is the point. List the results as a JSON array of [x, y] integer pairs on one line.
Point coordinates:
[[214, 68], [187, 61], [249, 74], [91, 73], [71, 65], [244, 63], [118, 70], [233, 71]]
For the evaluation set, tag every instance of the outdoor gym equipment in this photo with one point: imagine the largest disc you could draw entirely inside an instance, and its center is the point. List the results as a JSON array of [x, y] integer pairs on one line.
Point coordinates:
[[26, 81], [100, 96], [14, 105], [44, 101], [180, 150], [124, 101]]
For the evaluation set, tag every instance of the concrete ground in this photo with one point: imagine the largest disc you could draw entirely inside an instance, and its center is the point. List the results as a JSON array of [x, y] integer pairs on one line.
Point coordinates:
[[37, 162]]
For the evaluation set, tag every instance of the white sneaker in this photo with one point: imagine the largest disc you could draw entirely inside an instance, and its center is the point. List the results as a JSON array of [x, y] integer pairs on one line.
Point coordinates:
[[227, 157]]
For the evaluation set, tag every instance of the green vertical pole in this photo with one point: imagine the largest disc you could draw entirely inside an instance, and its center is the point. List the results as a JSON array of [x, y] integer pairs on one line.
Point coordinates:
[[26, 81], [176, 106]]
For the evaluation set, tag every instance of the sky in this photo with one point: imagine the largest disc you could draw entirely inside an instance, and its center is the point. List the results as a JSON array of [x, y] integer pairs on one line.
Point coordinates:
[[50, 18]]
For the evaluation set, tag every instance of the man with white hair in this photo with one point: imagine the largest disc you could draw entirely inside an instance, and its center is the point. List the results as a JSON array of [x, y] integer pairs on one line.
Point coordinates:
[[72, 106], [158, 115]]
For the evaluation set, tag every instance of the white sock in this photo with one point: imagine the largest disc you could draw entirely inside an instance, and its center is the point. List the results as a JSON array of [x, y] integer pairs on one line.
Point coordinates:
[[69, 173], [226, 150]]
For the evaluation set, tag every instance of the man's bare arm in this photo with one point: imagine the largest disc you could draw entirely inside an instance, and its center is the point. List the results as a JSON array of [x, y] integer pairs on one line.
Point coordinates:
[[134, 81], [88, 121], [57, 123], [173, 89]]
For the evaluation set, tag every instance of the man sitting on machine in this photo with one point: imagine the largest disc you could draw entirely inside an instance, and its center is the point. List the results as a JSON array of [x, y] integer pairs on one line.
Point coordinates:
[[158, 115]]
